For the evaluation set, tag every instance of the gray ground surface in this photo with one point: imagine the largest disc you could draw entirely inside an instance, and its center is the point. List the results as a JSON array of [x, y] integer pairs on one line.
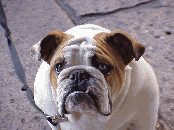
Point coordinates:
[[151, 22]]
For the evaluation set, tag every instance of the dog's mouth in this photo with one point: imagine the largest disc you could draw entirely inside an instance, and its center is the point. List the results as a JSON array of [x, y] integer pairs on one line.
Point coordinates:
[[82, 102], [89, 96]]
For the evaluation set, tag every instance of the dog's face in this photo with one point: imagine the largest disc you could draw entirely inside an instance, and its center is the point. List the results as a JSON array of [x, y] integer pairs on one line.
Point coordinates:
[[87, 71]]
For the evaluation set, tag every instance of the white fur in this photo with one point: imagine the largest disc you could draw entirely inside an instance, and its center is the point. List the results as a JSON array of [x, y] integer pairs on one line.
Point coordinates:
[[135, 108], [44, 94], [87, 30]]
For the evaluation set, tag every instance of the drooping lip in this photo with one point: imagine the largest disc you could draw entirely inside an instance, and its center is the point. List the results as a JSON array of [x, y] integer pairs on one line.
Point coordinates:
[[78, 97], [97, 90], [62, 108], [78, 92], [92, 100]]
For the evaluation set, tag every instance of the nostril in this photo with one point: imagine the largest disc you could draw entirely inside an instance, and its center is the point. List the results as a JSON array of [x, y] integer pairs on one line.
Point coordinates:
[[83, 75], [79, 75], [72, 76], [80, 80]]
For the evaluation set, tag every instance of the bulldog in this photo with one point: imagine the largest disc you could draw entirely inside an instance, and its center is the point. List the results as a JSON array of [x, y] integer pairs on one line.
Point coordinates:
[[96, 78]]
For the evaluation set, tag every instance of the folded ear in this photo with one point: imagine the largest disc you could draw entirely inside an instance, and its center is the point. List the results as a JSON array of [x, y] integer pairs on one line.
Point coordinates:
[[45, 48], [127, 47]]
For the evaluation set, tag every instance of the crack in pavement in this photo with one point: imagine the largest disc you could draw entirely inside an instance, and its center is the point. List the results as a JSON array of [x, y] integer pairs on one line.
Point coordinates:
[[81, 19], [69, 11], [114, 11]]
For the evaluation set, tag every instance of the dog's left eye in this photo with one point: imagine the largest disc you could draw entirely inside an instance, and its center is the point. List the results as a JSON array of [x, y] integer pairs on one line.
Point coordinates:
[[58, 67], [104, 68]]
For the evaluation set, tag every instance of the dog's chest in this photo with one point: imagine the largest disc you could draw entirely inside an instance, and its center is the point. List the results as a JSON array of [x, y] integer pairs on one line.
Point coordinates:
[[86, 122], [91, 122]]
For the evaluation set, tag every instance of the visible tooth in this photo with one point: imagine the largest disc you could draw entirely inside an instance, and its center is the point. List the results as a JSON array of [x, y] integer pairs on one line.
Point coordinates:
[[77, 92], [87, 91]]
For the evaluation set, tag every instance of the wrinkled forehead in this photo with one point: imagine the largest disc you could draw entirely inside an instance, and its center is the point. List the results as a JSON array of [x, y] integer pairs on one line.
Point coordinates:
[[79, 49], [83, 38], [82, 46]]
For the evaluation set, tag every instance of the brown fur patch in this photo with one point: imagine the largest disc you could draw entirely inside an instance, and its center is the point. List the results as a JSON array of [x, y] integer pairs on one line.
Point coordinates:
[[119, 49], [49, 44], [53, 60], [127, 47], [106, 53]]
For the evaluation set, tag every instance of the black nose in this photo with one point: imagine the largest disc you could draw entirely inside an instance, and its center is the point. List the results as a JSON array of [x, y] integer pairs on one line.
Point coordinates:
[[80, 79], [79, 75]]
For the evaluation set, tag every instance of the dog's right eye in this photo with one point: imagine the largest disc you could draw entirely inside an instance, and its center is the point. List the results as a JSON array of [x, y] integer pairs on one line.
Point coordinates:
[[58, 67]]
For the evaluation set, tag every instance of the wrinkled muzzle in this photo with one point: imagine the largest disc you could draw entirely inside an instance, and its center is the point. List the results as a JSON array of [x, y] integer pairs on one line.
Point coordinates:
[[83, 89]]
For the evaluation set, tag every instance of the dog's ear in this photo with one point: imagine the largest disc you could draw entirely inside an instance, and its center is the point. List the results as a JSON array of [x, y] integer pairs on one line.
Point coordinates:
[[127, 47], [45, 48]]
